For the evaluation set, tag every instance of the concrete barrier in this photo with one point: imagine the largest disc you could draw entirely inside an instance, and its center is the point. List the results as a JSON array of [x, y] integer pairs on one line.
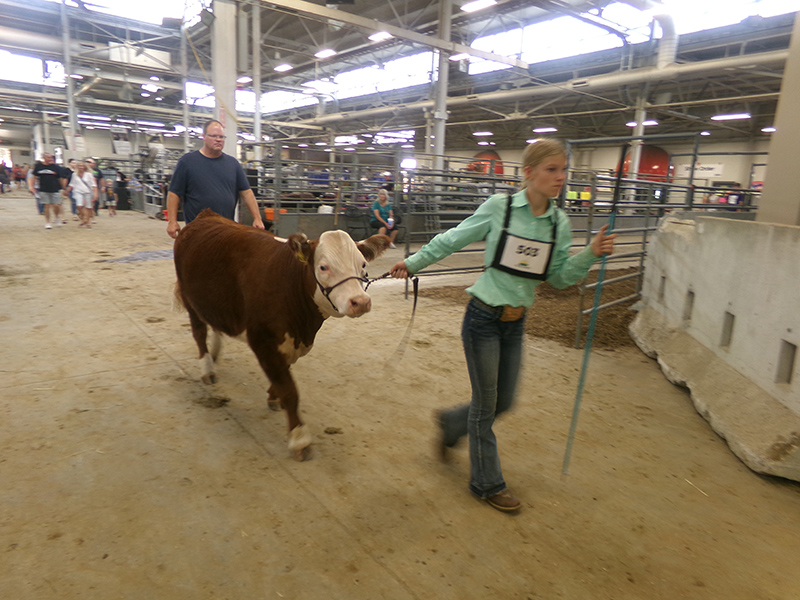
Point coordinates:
[[721, 312]]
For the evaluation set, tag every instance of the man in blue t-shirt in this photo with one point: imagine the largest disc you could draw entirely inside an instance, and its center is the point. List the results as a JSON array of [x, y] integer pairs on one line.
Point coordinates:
[[208, 178]]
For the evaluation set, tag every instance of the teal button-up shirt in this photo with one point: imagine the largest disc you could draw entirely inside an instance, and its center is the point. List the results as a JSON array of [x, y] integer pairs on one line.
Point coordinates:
[[495, 287]]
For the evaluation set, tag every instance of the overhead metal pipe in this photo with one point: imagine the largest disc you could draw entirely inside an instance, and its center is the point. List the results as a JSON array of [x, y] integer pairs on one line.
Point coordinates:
[[39, 43], [595, 83], [668, 46]]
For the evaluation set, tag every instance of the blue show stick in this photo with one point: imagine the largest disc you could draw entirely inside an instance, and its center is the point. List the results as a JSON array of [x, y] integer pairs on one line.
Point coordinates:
[[598, 291]]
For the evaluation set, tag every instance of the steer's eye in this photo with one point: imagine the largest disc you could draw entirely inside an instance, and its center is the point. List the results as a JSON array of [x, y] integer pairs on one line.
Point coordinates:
[[323, 268]]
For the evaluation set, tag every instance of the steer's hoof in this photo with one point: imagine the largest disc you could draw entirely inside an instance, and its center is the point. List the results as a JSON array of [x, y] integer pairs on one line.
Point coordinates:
[[303, 454], [209, 378]]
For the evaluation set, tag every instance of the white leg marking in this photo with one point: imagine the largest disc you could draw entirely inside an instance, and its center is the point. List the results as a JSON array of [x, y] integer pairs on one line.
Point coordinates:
[[299, 438], [216, 344], [207, 372]]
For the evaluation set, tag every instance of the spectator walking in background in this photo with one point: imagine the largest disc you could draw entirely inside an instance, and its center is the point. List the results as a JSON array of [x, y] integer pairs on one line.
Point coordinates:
[[121, 198], [33, 184], [18, 175], [68, 172], [83, 186], [91, 165], [209, 178], [50, 178], [5, 179]]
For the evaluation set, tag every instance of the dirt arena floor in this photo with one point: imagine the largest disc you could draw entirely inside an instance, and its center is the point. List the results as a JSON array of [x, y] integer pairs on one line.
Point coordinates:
[[124, 477]]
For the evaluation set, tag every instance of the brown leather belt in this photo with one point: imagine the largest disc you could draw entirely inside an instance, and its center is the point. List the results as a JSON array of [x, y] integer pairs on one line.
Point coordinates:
[[506, 312]]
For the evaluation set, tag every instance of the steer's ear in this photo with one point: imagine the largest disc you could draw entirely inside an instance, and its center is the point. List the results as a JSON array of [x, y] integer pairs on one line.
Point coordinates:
[[301, 247], [374, 246]]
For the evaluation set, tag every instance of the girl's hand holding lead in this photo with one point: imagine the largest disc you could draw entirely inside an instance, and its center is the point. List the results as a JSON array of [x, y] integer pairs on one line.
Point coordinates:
[[603, 244], [399, 270]]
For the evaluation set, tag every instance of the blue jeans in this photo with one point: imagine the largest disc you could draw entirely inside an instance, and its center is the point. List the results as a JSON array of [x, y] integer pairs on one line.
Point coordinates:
[[493, 349]]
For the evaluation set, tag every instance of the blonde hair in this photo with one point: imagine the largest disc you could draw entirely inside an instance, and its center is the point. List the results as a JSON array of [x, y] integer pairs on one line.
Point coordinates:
[[536, 152]]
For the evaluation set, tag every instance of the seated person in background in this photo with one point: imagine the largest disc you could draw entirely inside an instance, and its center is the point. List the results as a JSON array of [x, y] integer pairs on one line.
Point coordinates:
[[382, 217]]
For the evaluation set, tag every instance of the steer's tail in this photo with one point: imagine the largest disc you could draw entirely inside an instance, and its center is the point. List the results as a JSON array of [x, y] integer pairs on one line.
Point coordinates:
[[177, 300]]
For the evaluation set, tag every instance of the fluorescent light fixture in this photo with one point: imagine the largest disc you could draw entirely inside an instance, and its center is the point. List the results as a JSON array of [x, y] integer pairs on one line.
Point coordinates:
[[545, 130], [532, 141], [159, 98], [482, 133], [768, 130], [483, 143], [150, 87], [731, 117], [381, 36], [151, 123], [407, 146], [345, 140], [706, 133], [282, 68], [461, 56], [302, 145], [97, 117], [326, 53], [648, 123], [408, 163], [154, 78], [244, 79], [321, 144], [145, 94], [477, 5], [76, 76]]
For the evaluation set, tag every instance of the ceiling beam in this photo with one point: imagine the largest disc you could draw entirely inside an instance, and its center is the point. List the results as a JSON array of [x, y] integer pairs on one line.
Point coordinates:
[[325, 14]]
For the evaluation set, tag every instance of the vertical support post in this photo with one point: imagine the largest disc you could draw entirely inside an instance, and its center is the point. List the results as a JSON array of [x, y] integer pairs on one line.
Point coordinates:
[[695, 150], [442, 81], [636, 145], [223, 69], [277, 184], [72, 113], [256, 34], [241, 39], [46, 133], [184, 81]]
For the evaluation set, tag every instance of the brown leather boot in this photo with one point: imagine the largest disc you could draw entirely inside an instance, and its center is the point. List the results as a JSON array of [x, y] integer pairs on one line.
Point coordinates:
[[505, 501]]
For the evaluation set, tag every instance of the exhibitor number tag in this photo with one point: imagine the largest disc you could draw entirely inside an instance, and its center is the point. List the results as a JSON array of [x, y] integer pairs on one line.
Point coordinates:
[[520, 256], [523, 257]]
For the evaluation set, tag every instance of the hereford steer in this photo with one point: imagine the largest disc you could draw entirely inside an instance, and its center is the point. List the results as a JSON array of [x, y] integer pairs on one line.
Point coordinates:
[[272, 292]]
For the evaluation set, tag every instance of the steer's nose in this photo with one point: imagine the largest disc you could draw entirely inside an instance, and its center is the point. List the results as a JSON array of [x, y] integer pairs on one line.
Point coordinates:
[[359, 305]]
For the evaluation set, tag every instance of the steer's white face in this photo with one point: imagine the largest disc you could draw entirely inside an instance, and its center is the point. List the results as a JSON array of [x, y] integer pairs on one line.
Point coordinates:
[[336, 259]]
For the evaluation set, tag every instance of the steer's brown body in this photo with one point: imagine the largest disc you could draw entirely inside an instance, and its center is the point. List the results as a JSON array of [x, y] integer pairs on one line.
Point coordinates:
[[240, 281]]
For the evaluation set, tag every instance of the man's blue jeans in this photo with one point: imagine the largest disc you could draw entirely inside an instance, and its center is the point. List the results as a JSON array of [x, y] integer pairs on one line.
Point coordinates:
[[493, 349]]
